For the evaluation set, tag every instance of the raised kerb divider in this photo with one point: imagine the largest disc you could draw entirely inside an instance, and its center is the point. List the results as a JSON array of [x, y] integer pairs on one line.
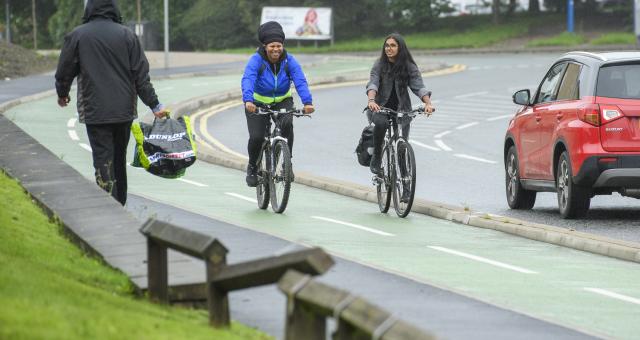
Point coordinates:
[[309, 303], [220, 277]]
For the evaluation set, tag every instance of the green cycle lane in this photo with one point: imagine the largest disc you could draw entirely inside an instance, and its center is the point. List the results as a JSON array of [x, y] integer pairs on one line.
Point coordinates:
[[592, 293]]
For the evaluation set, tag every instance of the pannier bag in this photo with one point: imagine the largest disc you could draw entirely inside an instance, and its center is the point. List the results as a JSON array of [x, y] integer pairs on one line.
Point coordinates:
[[165, 148], [364, 150]]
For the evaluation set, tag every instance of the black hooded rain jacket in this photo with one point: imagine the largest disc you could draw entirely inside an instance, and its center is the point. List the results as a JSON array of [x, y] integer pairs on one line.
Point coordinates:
[[110, 64]]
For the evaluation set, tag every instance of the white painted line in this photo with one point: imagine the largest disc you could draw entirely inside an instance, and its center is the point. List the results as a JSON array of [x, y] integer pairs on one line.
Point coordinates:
[[478, 159], [72, 122], [442, 145], [422, 145], [613, 295], [245, 198], [484, 260], [441, 134], [73, 135], [461, 127], [357, 226], [474, 94], [192, 182], [498, 118], [86, 147]]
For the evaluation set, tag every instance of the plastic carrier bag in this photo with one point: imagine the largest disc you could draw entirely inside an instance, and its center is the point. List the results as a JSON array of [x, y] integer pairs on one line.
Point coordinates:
[[364, 149], [165, 148]]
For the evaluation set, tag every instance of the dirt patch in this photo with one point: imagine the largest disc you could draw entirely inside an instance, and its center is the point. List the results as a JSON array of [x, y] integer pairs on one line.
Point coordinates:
[[16, 61]]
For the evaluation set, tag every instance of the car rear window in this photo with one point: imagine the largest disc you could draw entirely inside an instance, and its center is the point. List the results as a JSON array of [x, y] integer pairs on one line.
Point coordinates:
[[619, 81]]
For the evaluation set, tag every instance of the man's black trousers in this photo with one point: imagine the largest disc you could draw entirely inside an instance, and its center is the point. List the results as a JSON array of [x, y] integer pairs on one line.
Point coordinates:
[[257, 125], [109, 149]]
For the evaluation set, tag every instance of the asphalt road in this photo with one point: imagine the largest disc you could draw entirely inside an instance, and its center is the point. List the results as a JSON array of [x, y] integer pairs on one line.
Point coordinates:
[[458, 150]]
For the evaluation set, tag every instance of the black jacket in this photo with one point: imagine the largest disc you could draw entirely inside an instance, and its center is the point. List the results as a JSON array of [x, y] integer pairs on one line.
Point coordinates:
[[110, 64], [382, 78]]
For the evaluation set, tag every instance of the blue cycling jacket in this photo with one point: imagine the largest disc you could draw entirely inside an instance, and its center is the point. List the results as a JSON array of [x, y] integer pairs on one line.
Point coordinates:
[[269, 88]]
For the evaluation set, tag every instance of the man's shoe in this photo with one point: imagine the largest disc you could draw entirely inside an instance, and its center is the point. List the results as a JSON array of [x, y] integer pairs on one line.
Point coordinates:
[[252, 175], [375, 167], [406, 195]]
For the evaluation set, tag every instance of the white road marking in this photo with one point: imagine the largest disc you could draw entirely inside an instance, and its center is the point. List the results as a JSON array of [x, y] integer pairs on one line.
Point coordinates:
[[192, 182], [245, 198], [442, 145], [72, 122], [86, 147], [73, 135], [613, 295], [461, 127], [474, 94], [441, 134], [484, 260], [357, 226], [498, 118], [478, 159], [422, 145]]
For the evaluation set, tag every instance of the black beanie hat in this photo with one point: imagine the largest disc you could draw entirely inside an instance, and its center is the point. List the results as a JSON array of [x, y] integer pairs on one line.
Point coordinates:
[[270, 32]]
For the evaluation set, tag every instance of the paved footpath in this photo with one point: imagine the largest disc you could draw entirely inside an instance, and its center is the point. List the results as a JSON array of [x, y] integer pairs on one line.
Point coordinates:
[[405, 258]]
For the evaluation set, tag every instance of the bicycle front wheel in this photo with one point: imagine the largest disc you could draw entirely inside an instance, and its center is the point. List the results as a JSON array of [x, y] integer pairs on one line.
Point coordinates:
[[383, 185], [262, 190], [404, 187], [281, 180]]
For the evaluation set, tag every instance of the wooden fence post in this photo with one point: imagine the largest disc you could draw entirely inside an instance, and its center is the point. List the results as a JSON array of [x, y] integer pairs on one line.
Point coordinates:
[[157, 276]]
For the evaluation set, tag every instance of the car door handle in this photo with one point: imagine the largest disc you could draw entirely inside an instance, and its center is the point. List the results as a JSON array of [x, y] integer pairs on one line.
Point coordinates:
[[538, 118], [559, 115]]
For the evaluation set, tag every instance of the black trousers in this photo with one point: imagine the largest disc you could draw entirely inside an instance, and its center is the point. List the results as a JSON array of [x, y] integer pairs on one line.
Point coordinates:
[[109, 149], [381, 124], [257, 125]]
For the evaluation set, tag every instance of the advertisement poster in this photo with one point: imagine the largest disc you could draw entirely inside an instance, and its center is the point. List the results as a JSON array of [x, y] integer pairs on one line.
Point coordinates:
[[301, 23]]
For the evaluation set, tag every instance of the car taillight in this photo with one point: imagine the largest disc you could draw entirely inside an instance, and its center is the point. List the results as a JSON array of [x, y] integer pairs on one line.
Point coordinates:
[[590, 114]]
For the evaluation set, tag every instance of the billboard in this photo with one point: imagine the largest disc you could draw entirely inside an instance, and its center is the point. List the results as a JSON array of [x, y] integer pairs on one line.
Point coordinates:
[[301, 23]]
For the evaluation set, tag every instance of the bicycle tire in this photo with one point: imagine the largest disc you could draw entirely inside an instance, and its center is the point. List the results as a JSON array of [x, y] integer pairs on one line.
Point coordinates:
[[281, 177], [406, 168], [384, 185], [262, 190]]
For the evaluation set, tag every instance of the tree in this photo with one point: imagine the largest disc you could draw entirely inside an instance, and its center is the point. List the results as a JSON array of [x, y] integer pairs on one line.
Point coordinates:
[[534, 6]]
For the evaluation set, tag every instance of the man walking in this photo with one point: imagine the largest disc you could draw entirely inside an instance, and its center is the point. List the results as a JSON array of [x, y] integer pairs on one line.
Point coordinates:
[[112, 72]]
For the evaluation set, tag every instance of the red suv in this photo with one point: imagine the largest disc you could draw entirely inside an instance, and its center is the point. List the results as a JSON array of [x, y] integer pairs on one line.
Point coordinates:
[[579, 135]]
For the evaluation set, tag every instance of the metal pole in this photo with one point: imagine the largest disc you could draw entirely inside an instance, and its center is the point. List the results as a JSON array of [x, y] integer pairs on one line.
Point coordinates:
[[85, 3], [8, 15], [570, 16], [35, 24], [636, 20], [166, 34]]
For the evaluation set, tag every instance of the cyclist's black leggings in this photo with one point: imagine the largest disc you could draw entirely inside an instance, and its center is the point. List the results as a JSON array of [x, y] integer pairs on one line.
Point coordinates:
[[257, 125], [381, 122]]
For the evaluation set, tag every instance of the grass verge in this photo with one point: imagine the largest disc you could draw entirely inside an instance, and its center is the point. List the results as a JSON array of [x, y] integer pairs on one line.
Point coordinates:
[[615, 38], [562, 39], [50, 290]]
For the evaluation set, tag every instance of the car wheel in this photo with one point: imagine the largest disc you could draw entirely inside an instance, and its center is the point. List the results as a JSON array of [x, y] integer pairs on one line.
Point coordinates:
[[573, 200], [517, 196]]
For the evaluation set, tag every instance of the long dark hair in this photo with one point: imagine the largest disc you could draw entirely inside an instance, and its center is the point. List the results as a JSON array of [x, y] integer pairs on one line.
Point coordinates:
[[400, 68]]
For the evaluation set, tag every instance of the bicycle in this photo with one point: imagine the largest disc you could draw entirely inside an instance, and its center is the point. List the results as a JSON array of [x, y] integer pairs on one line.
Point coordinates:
[[274, 163], [398, 165]]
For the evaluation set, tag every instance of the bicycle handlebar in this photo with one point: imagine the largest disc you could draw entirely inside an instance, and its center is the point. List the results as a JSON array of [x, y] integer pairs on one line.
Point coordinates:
[[412, 113], [295, 112]]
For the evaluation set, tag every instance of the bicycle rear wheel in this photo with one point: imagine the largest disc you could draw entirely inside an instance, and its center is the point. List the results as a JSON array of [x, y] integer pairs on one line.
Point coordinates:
[[281, 180], [383, 185], [404, 187], [262, 190]]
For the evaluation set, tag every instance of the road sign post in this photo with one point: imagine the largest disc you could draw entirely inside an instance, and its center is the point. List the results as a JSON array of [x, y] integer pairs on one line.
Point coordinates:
[[570, 16]]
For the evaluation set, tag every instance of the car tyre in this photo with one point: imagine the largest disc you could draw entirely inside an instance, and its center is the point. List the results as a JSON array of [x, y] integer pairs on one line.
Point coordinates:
[[573, 200], [517, 196]]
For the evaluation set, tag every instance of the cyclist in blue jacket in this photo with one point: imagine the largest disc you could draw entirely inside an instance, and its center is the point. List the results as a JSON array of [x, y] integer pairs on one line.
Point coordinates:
[[267, 82]]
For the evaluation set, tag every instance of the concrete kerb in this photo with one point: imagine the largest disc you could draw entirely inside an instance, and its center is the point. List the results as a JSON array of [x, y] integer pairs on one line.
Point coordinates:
[[629, 251]]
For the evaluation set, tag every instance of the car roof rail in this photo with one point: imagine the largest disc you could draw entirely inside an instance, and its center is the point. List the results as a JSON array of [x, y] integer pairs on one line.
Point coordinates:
[[588, 54]]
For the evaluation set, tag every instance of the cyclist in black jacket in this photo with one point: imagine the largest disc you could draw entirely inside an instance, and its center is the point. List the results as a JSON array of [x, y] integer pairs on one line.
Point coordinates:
[[391, 76]]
